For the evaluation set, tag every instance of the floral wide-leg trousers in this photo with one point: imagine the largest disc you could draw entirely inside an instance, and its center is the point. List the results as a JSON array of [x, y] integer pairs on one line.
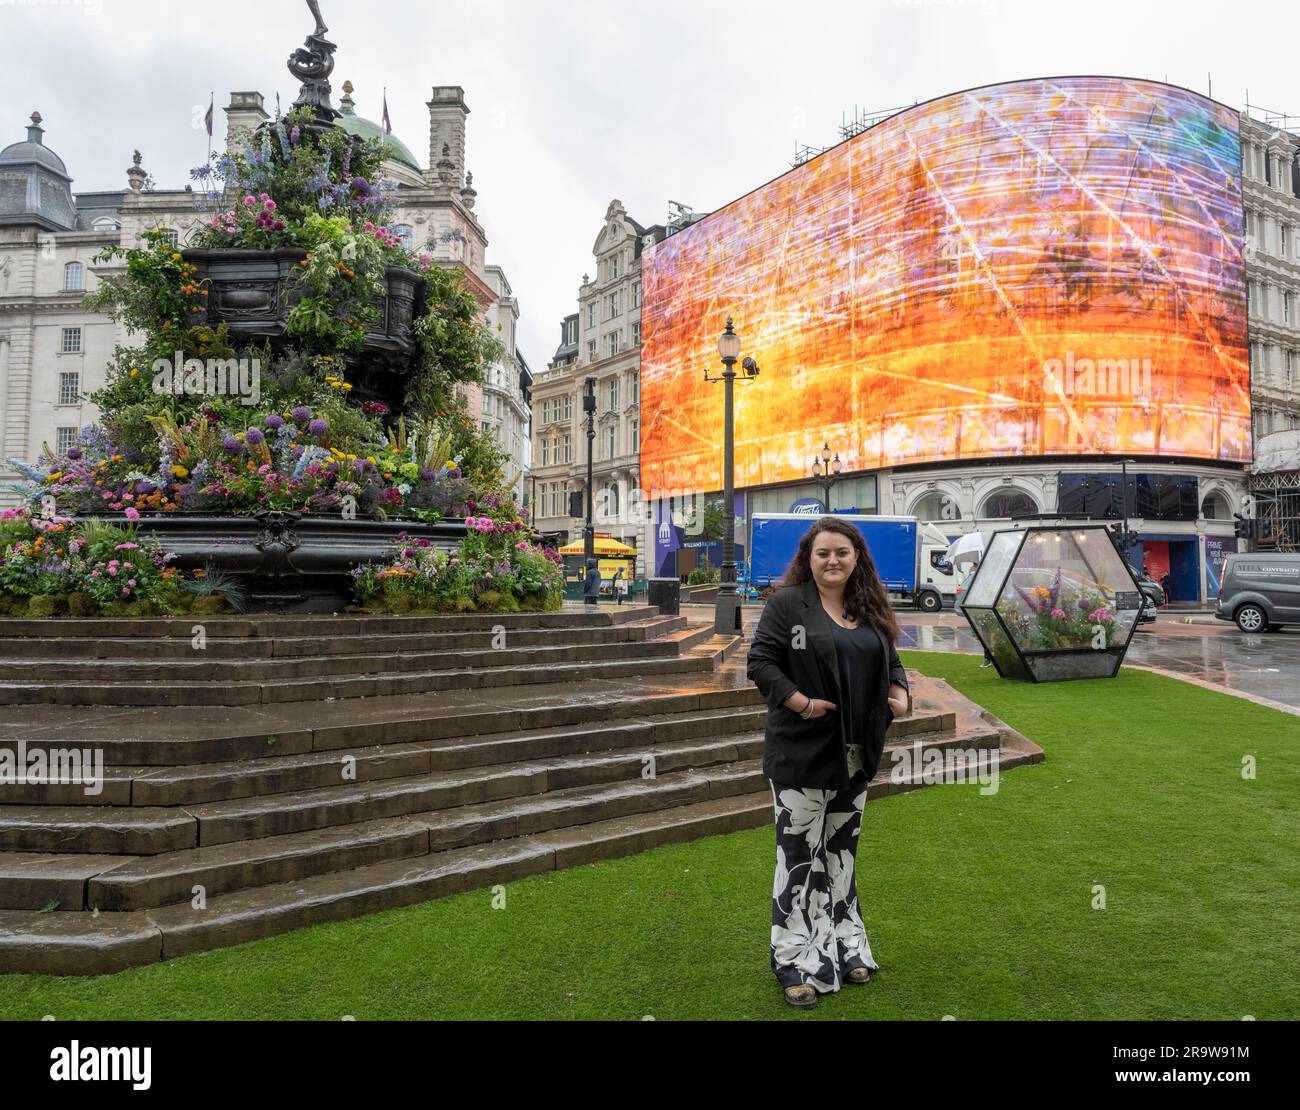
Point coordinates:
[[817, 930]]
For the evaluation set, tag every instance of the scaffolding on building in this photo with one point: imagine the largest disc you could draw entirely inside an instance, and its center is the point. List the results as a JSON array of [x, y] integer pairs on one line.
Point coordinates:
[[1277, 510]]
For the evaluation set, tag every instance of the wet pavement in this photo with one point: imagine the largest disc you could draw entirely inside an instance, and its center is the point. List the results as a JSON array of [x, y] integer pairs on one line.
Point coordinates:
[[1205, 650]]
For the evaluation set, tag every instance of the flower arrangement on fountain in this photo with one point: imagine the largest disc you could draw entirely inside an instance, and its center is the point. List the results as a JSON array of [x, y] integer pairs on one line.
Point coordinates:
[[55, 566], [1070, 613], [495, 568]]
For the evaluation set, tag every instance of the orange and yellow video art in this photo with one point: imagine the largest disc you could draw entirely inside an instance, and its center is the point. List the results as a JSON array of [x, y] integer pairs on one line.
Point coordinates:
[[1049, 267]]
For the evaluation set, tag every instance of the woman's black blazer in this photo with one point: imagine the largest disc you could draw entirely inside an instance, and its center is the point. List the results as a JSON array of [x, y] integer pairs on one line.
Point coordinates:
[[811, 753]]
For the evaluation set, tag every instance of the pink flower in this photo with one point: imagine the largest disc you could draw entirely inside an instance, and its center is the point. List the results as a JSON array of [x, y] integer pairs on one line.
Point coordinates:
[[269, 204], [249, 202], [521, 545], [130, 582], [112, 572], [132, 514], [1058, 613]]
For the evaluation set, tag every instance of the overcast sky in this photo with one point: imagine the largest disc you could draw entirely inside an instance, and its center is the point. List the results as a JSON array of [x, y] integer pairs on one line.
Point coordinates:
[[574, 103]]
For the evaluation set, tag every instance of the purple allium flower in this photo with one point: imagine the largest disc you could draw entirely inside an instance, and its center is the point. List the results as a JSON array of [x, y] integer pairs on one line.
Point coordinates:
[[301, 414], [454, 472], [318, 427], [275, 422], [144, 487], [428, 475], [231, 444], [254, 437], [297, 451], [360, 185], [74, 453]]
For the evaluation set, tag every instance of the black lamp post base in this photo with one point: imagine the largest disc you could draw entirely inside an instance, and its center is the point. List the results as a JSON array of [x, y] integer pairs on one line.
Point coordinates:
[[727, 616]]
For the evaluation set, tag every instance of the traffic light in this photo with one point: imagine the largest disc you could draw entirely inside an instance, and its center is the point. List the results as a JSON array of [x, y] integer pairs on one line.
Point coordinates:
[[1243, 527]]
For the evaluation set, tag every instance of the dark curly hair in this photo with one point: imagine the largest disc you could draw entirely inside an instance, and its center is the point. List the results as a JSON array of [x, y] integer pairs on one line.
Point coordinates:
[[865, 598]]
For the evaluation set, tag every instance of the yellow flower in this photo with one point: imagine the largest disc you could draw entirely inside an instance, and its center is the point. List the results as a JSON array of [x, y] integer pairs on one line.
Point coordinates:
[[329, 358], [352, 458], [134, 371], [55, 476], [103, 463], [371, 460], [176, 256], [180, 471], [346, 386]]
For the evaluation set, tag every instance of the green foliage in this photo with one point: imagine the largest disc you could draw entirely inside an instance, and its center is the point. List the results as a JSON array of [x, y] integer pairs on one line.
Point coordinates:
[[455, 346]]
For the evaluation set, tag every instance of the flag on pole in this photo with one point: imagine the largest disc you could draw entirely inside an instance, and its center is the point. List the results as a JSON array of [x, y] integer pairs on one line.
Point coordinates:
[[207, 116], [388, 123]]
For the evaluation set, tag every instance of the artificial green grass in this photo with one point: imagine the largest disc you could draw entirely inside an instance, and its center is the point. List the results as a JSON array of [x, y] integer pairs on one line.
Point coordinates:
[[978, 907]]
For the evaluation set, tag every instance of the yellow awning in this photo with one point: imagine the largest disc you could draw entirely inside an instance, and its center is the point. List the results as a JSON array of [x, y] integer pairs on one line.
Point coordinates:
[[602, 545]]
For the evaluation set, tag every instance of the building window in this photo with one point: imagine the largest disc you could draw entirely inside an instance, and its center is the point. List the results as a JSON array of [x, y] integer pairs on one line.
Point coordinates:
[[614, 268], [635, 437], [612, 306], [591, 315], [591, 350], [636, 334], [63, 439], [613, 394], [546, 452], [71, 341], [568, 408], [1213, 507], [170, 235], [1286, 308], [568, 449], [104, 223], [612, 340], [611, 499], [611, 438], [74, 276], [934, 506], [636, 387], [405, 234], [636, 294], [69, 387], [1008, 503]]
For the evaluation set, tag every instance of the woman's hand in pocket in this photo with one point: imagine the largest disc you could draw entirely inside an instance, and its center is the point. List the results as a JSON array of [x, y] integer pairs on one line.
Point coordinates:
[[898, 700], [820, 708]]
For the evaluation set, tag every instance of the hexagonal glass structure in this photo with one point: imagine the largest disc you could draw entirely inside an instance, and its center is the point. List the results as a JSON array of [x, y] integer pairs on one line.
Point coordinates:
[[1053, 603]]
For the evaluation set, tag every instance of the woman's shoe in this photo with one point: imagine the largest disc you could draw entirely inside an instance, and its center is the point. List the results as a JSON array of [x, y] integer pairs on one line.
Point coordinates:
[[801, 996], [858, 975]]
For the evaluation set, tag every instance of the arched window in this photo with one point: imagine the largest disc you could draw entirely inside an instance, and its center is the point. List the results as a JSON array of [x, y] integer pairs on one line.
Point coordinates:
[[405, 233], [104, 223], [611, 499], [1010, 502], [937, 506], [1215, 507], [74, 276]]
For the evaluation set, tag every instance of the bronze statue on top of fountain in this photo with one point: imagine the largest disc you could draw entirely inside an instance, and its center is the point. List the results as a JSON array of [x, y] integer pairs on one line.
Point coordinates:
[[312, 63]]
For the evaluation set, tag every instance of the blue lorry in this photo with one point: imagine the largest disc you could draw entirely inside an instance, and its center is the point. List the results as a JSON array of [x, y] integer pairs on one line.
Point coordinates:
[[909, 555]]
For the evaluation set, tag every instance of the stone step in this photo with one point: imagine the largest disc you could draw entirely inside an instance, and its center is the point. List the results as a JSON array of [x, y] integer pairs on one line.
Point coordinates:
[[375, 685], [189, 667], [342, 804], [220, 869], [83, 944], [143, 737], [213, 782], [105, 830], [307, 625], [288, 647]]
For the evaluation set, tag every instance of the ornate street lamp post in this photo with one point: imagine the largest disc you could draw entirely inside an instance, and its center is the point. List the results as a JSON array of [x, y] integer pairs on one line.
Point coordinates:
[[726, 613], [826, 472]]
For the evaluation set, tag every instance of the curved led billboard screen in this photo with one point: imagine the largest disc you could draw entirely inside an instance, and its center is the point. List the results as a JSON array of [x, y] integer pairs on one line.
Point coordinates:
[[1049, 267]]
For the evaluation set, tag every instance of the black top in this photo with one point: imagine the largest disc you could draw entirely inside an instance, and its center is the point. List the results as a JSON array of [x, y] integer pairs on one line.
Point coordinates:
[[857, 650]]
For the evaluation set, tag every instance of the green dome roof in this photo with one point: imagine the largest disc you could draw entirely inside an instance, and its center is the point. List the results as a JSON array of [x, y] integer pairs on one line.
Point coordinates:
[[354, 124]]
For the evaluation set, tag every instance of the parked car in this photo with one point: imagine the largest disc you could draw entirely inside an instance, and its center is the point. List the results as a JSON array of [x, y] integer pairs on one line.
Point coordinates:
[[1261, 592]]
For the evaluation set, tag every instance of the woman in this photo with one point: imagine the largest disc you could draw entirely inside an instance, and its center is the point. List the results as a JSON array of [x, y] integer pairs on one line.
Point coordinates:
[[823, 657], [620, 585]]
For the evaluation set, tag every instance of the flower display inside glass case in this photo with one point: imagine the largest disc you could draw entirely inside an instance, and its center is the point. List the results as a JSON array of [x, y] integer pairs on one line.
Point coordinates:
[[1053, 603]]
